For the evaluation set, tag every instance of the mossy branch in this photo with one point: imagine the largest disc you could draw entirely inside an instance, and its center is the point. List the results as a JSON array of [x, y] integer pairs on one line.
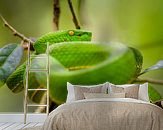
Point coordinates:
[[73, 15], [56, 14], [15, 32], [153, 81]]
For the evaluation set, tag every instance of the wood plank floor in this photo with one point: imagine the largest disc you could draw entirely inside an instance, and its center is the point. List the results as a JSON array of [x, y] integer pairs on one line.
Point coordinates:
[[18, 126], [14, 121]]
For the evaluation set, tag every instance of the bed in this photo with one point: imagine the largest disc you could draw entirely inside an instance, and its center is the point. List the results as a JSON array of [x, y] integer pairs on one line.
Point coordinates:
[[106, 107], [106, 114]]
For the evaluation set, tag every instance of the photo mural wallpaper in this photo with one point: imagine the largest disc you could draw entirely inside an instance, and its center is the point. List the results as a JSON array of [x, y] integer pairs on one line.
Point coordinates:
[[105, 41]]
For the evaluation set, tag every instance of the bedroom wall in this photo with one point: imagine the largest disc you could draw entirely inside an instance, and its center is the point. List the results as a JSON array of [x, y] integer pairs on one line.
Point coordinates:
[[136, 23]]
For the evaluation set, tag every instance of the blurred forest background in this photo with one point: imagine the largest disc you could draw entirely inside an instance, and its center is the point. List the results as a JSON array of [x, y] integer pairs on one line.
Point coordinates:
[[136, 23]]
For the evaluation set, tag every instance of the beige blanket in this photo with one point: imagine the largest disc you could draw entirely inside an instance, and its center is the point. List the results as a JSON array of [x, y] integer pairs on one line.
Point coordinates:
[[106, 114]]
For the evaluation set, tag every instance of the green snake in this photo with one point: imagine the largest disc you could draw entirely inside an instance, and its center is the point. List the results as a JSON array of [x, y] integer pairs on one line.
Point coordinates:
[[76, 59]]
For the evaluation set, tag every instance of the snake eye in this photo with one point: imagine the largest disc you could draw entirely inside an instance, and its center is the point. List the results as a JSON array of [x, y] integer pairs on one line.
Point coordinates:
[[71, 33]]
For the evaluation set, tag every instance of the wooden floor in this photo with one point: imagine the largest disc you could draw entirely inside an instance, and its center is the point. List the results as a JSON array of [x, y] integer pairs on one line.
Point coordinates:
[[17, 126], [14, 121]]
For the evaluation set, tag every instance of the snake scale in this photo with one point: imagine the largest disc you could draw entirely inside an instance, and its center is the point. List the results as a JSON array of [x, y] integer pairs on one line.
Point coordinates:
[[75, 58]]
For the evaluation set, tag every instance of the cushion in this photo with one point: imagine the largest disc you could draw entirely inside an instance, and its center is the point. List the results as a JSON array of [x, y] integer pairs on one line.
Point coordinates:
[[143, 92], [130, 90], [76, 92], [102, 95], [137, 91]]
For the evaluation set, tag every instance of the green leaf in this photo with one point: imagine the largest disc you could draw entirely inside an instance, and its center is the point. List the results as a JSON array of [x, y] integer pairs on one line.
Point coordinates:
[[10, 57], [154, 96], [158, 65], [16, 79]]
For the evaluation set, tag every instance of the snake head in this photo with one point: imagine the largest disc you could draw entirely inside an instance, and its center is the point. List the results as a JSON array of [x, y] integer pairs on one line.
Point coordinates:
[[60, 36], [79, 35]]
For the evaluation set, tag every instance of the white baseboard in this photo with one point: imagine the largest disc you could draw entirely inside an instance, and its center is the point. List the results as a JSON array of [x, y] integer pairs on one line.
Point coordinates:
[[13, 117]]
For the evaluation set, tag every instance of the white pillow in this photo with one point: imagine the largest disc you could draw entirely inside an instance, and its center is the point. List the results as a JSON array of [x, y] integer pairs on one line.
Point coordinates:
[[130, 90], [143, 92], [103, 95], [76, 92], [70, 95]]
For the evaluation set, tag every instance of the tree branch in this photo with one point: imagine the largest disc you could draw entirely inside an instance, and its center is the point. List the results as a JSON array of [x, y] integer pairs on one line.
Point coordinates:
[[15, 32], [160, 82], [43, 101], [73, 15], [56, 14]]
